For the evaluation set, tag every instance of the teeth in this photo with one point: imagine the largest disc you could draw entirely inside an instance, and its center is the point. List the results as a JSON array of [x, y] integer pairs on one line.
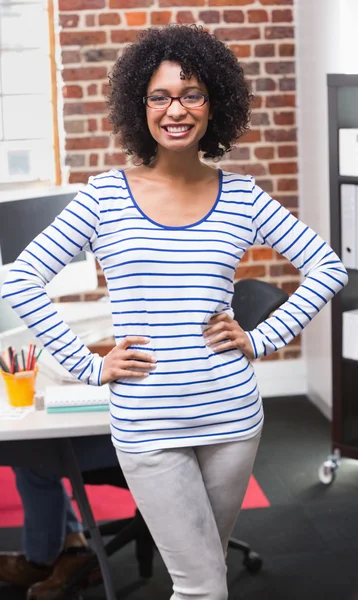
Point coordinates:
[[178, 129]]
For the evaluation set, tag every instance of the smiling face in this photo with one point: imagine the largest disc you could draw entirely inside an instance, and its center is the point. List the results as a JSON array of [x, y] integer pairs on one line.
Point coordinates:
[[176, 128]]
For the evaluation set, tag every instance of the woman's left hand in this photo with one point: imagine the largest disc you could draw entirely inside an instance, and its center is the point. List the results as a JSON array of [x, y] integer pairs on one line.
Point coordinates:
[[225, 333]]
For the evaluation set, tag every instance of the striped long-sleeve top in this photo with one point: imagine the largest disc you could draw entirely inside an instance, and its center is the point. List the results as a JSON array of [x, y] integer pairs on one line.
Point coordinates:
[[165, 283]]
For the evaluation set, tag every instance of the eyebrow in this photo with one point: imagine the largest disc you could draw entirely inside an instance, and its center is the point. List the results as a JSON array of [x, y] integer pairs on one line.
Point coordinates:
[[186, 89]]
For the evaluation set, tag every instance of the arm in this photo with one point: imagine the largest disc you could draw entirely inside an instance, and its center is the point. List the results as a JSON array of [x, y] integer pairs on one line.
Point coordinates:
[[74, 230], [324, 273], [325, 276]]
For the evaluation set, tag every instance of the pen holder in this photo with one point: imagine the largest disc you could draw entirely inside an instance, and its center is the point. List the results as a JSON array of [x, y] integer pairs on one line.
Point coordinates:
[[20, 387]]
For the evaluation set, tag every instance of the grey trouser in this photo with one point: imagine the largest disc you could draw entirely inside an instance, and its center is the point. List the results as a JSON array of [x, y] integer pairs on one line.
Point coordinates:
[[190, 499]]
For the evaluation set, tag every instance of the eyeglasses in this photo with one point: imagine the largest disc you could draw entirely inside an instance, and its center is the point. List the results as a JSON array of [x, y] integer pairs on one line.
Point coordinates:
[[163, 102]]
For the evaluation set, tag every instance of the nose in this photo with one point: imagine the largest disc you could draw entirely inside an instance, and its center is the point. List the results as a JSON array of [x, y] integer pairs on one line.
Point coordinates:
[[176, 110]]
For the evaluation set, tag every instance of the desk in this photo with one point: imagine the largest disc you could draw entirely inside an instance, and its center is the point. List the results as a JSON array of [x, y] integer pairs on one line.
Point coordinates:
[[46, 442]]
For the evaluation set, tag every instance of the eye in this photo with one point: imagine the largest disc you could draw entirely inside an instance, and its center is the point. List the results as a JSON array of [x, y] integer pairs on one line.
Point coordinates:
[[158, 99]]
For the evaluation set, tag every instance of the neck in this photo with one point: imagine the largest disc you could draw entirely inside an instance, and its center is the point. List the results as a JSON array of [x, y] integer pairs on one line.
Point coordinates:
[[178, 165]]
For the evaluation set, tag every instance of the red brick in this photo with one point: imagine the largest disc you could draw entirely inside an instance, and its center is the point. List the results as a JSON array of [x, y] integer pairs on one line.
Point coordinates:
[[92, 125], [277, 33], [93, 162], [91, 20], [72, 108], [209, 16], [75, 160], [124, 36], [283, 168], [272, 2], [287, 185], [92, 90], [258, 119], [81, 176], [280, 100], [66, 5], [72, 91], [160, 17], [84, 73], [70, 56], [284, 118], [280, 135], [237, 33], [251, 68], [240, 50], [256, 102], [240, 153], [110, 18], [100, 54], [87, 143], [130, 3], [185, 17], [264, 152], [248, 272], [286, 50], [282, 16], [259, 254], [74, 126], [287, 151], [265, 84], [265, 184], [115, 159], [287, 84], [181, 3], [290, 287], [280, 67], [230, 2], [135, 19], [284, 268], [264, 50], [69, 20], [290, 354], [258, 16], [252, 136], [290, 202], [234, 16], [105, 125], [82, 38]]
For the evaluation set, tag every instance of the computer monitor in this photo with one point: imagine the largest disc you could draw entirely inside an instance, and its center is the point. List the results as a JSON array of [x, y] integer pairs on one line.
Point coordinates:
[[23, 215]]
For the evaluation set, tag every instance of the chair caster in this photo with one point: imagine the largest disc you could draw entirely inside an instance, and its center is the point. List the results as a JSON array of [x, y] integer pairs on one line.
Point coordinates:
[[252, 562], [327, 471]]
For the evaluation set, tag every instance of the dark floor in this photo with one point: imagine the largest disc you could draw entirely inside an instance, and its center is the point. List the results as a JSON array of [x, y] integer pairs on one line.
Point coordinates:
[[308, 538]]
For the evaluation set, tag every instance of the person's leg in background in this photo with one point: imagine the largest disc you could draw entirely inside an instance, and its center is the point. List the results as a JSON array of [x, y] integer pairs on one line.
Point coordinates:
[[52, 535], [170, 491]]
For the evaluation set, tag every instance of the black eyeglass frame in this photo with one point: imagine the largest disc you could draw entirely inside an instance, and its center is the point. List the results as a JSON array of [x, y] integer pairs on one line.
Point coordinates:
[[172, 98]]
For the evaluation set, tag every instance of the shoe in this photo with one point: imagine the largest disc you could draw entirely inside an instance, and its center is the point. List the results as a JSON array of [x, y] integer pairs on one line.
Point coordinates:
[[69, 561], [16, 570]]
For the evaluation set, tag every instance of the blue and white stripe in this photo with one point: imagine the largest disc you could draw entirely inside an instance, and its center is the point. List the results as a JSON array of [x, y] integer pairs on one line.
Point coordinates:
[[165, 283]]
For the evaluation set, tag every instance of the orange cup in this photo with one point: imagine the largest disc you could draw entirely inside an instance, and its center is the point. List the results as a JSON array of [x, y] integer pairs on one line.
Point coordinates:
[[20, 387]]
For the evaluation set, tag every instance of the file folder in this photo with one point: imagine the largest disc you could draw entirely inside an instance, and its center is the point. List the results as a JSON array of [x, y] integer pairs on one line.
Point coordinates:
[[349, 246]]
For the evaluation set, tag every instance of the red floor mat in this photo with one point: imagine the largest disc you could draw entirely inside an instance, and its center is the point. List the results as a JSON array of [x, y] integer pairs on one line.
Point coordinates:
[[107, 502]]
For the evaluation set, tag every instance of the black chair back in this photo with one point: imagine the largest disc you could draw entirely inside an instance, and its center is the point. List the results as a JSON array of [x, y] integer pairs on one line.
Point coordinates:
[[254, 301]]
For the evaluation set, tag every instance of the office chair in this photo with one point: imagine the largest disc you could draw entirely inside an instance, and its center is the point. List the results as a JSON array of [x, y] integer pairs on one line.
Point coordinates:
[[252, 303]]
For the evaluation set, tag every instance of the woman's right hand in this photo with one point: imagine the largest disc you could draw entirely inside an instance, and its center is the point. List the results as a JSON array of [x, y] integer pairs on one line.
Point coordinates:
[[123, 361]]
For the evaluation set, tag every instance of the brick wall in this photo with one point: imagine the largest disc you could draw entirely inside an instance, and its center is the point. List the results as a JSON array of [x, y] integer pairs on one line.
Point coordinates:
[[260, 33]]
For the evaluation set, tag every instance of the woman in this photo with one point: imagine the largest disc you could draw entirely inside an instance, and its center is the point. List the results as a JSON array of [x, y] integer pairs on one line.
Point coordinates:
[[186, 414]]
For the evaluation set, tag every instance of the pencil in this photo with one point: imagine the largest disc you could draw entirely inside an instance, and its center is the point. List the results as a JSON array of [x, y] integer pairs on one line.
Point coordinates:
[[39, 354], [3, 365], [23, 359]]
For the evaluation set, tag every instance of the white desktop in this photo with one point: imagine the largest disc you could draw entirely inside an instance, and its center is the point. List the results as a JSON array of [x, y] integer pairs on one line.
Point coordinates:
[[23, 215]]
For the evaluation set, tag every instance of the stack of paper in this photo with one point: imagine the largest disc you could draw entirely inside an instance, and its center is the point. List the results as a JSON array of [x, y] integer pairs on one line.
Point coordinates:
[[76, 398]]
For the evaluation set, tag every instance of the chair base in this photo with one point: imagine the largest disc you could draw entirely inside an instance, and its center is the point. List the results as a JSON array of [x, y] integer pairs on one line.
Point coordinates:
[[252, 561]]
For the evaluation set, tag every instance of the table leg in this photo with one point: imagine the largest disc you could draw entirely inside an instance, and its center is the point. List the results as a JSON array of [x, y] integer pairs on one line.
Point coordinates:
[[79, 491]]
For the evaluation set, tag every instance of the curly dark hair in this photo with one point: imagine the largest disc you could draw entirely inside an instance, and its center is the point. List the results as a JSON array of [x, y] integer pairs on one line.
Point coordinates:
[[200, 54]]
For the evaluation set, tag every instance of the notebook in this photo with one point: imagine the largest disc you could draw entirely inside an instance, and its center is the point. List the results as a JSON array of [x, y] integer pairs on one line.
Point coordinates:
[[76, 398]]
